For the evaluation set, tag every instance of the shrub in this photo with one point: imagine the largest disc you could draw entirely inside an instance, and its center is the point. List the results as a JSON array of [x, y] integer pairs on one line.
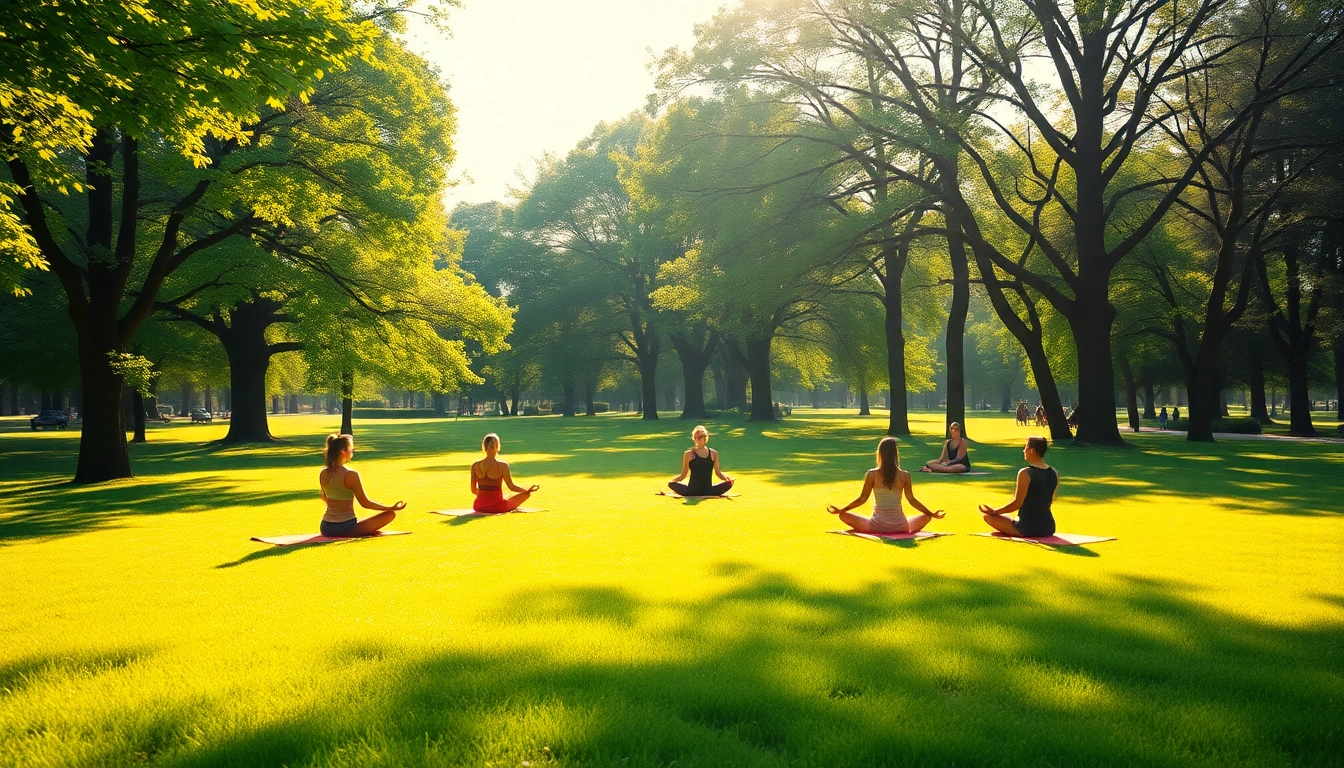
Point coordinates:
[[1239, 426], [601, 407], [532, 410], [393, 413]]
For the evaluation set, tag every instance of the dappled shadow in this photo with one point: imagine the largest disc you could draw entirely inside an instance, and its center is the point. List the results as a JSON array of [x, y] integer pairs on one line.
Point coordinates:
[[767, 671], [20, 673], [53, 510]]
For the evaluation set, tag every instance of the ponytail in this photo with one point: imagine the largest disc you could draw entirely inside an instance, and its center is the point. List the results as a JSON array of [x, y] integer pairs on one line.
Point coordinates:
[[336, 445], [888, 461]]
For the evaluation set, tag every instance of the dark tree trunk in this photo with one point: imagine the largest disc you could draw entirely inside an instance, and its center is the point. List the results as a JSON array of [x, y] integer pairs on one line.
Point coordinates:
[[648, 371], [209, 398], [757, 363], [45, 402], [1149, 401], [588, 392], [695, 357], [188, 397], [1096, 370], [735, 378], [716, 371], [514, 394], [1255, 374], [956, 329], [1007, 396], [138, 417], [567, 404], [14, 399], [1339, 377], [347, 403], [898, 418], [1299, 397], [275, 404], [863, 399], [1131, 393]]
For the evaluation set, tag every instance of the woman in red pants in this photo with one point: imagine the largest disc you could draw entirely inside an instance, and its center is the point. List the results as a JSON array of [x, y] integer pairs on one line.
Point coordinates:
[[488, 478]]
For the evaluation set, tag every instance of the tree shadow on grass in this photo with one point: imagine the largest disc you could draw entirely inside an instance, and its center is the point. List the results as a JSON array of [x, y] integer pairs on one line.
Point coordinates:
[[918, 668], [50, 511]]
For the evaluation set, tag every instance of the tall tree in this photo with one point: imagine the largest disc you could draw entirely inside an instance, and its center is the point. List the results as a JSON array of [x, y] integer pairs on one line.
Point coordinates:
[[183, 76]]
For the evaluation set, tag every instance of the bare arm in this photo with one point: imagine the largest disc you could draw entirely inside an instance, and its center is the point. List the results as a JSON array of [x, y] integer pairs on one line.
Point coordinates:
[[1056, 494], [685, 467], [961, 449], [718, 471], [352, 482], [942, 457], [322, 484], [475, 489], [867, 491], [1023, 480], [916, 503]]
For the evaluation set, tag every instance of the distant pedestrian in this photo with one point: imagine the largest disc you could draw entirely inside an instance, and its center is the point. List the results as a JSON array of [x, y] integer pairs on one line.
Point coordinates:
[[1162, 418], [1175, 415]]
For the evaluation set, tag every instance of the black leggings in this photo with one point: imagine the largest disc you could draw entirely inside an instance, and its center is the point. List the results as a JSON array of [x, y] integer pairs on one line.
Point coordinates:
[[683, 489]]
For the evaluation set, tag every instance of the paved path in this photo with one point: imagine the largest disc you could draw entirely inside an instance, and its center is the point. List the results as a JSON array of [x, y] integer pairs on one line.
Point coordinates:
[[1239, 436]]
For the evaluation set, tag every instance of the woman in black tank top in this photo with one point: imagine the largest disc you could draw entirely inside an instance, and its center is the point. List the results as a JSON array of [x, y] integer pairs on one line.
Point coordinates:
[[1037, 487], [701, 462]]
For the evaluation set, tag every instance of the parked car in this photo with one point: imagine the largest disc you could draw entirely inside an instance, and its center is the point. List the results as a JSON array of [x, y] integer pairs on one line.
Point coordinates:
[[201, 415], [166, 413], [47, 419]]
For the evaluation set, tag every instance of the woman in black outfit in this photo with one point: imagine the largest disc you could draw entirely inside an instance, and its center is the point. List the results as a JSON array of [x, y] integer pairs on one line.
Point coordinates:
[[701, 462], [1037, 487], [954, 458]]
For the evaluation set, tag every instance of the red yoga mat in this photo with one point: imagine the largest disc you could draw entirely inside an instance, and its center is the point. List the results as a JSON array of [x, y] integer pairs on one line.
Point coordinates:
[[1058, 540], [317, 538], [474, 513], [893, 536]]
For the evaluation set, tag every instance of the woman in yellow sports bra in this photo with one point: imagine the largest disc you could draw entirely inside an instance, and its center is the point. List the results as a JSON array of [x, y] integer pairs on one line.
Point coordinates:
[[886, 482], [341, 486]]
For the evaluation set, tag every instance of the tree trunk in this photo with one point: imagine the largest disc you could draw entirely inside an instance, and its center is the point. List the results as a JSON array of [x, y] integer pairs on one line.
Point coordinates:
[[1299, 397], [1255, 375], [695, 359], [347, 403], [567, 405], [209, 398], [138, 417], [863, 399], [956, 329], [102, 445], [757, 363], [188, 397], [588, 392], [14, 399], [648, 370], [1096, 371], [898, 418], [1149, 401], [735, 378], [1339, 377], [1007, 394], [1131, 393]]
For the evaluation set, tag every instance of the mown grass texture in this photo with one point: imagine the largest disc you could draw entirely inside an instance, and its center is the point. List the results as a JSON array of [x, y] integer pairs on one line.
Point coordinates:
[[139, 624]]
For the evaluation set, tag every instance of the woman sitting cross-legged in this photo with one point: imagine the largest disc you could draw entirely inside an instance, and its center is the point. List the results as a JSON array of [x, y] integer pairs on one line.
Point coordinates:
[[488, 478], [1037, 487], [700, 462], [886, 482], [955, 457], [341, 487]]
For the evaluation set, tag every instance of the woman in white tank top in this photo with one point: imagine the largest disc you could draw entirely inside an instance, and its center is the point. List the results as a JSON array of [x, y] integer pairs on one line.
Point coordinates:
[[886, 483]]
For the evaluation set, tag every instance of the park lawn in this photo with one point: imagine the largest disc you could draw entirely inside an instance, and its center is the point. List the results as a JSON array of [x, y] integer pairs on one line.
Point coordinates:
[[139, 625]]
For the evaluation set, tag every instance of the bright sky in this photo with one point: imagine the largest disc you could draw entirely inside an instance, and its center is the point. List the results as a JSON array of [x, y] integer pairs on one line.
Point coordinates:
[[536, 76]]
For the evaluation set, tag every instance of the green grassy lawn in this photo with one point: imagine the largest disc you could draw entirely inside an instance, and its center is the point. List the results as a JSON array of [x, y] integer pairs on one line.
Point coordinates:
[[139, 625]]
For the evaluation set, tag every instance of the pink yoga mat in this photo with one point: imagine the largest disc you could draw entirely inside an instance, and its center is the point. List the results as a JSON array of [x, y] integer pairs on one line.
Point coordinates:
[[893, 536], [679, 496], [317, 538], [474, 513], [1058, 540]]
